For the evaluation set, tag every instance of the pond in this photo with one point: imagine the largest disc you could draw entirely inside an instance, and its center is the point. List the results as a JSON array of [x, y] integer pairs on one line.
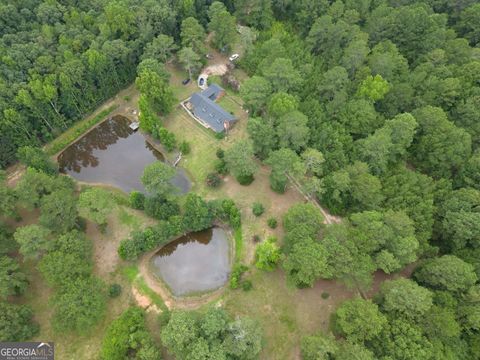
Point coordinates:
[[195, 263], [114, 154]]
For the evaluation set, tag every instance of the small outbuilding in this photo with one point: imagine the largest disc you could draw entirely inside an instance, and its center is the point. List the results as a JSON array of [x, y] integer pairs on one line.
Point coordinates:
[[206, 111]]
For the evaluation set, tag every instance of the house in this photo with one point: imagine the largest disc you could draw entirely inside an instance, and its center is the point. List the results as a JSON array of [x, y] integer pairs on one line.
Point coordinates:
[[206, 111]]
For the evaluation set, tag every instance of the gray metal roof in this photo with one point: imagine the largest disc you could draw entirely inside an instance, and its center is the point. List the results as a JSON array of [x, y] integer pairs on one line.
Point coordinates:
[[210, 112], [212, 92]]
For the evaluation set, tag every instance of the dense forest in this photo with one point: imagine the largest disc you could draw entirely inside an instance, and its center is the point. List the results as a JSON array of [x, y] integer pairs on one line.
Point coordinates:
[[372, 106]]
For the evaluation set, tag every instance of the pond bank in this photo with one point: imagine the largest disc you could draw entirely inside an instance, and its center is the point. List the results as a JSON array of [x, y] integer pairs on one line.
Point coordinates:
[[158, 285]]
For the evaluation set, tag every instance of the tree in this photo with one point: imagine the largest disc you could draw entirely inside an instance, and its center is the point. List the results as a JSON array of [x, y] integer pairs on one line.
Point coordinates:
[[402, 340], [318, 346], [282, 75], [307, 262], [440, 147], [59, 211], [68, 260], [12, 280], [180, 332], [305, 215], [193, 35], [352, 188], [359, 320], [37, 159], [8, 196], [255, 91], [244, 339], [95, 204], [198, 215], [127, 335], [440, 323], [155, 91], [403, 298], [160, 48], [354, 351], [373, 88], [255, 13], [313, 160], [33, 240], [460, 219], [262, 134], [267, 255], [157, 179], [16, 322], [468, 24], [222, 24], [447, 273], [190, 60], [360, 117], [239, 159], [292, 131], [79, 305], [281, 104], [284, 163]]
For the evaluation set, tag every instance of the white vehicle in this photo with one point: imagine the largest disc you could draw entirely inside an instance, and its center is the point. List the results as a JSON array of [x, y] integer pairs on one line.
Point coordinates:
[[233, 57]]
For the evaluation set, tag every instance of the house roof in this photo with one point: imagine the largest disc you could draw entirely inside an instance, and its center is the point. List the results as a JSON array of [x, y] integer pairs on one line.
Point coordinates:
[[212, 92], [210, 112]]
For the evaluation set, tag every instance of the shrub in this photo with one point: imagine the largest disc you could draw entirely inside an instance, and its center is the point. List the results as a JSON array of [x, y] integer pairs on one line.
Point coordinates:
[[137, 200], [325, 295], [258, 209], [128, 338], [184, 147], [160, 208], [267, 255], [167, 139], [220, 153], [37, 159], [245, 180], [272, 223], [247, 285], [220, 135], [236, 276], [114, 290], [213, 180], [256, 238], [221, 167]]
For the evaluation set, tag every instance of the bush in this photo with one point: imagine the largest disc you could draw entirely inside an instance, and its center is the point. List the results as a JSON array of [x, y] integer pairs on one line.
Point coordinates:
[[267, 255], [220, 153], [220, 135], [114, 290], [167, 139], [221, 167], [258, 209], [35, 158], [245, 180], [272, 223], [256, 238], [236, 276], [160, 208], [247, 285], [184, 147], [213, 180], [137, 200], [128, 338], [325, 295]]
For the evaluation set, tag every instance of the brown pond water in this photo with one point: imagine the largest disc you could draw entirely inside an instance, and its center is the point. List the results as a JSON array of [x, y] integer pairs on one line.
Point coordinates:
[[195, 263], [114, 154]]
